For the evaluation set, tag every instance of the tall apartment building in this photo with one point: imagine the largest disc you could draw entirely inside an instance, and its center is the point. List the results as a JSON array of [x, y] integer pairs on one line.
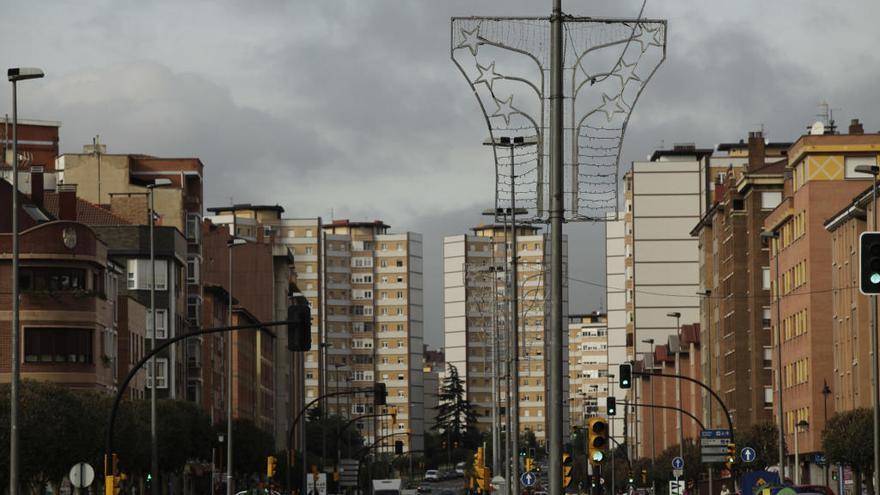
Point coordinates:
[[665, 197], [476, 294], [588, 378], [823, 181], [735, 312], [364, 286], [617, 278], [120, 180]]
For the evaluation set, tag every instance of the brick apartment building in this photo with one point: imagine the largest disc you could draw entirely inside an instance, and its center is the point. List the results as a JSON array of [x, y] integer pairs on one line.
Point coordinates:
[[823, 181]]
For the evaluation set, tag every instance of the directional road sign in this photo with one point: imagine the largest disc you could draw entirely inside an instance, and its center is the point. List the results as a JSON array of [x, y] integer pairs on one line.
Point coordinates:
[[677, 463], [676, 487], [713, 458], [81, 475], [713, 449], [528, 478], [704, 442], [748, 454], [720, 433]]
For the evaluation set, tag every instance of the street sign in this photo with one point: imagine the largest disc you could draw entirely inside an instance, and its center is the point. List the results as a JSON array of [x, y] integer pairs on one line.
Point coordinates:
[[748, 454], [677, 473], [677, 463], [81, 475], [318, 484], [713, 449], [820, 459], [704, 442], [720, 433], [348, 472], [713, 458], [528, 479], [676, 487]]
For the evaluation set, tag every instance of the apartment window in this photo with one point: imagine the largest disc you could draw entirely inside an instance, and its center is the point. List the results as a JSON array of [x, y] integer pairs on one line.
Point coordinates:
[[58, 345], [161, 324], [383, 264], [770, 199], [854, 161], [308, 232], [52, 279], [765, 277], [768, 396], [161, 374], [309, 250], [399, 280], [383, 247], [192, 269], [400, 294], [765, 318], [768, 357], [398, 263], [194, 309], [193, 224], [139, 274]]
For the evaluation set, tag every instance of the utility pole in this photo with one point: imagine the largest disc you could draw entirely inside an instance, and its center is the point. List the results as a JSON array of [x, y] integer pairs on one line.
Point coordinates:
[[557, 114]]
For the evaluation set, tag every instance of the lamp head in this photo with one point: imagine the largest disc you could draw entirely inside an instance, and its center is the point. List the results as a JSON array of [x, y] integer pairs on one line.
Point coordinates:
[[868, 169], [159, 183], [674, 314], [22, 73], [770, 234]]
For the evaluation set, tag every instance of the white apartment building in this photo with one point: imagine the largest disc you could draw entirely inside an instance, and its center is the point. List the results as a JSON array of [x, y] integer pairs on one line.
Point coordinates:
[[364, 286], [476, 303]]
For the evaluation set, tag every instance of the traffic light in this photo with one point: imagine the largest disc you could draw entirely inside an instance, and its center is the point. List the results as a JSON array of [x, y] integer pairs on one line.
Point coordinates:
[[626, 373], [611, 406], [566, 470], [481, 473], [629, 479], [299, 326], [522, 452], [398, 447], [731, 452], [530, 464], [113, 478], [380, 394], [644, 476], [271, 466], [869, 263], [598, 438], [532, 452]]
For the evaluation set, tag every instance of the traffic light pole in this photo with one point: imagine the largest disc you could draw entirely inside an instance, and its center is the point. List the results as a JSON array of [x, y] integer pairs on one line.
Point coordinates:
[[140, 364]]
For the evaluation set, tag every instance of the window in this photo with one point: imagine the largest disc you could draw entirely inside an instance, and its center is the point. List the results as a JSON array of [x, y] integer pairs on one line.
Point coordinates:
[[52, 279], [140, 271], [854, 161], [161, 324], [308, 232], [309, 250], [193, 223], [765, 318], [398, 263], [399, 280], [58, 345], [194, 309], [770, 199], [765, 273], [768, 396], [161, 374], [193, 264], [768, 357]]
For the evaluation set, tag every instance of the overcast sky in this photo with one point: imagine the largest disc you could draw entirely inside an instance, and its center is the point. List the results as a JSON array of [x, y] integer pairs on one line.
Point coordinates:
[[355, 107]]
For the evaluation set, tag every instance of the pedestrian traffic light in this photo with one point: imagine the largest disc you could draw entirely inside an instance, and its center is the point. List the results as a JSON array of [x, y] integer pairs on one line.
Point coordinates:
[[611, 406], [398, 447], [869, 263], [626, 370], [532, 452], [522, 452], [271, 466], [598, 438], [566, 470], [299, 325], [380, 394], [629, 479]]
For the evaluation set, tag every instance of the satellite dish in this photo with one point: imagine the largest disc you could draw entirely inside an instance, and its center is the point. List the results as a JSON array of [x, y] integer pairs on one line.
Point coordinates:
[[817, 129]]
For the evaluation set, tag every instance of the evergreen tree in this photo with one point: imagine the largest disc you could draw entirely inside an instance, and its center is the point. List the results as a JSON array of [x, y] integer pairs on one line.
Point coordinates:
[[456, 417]]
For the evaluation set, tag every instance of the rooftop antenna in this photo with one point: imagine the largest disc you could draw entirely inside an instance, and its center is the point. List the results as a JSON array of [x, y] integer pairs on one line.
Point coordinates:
[[827, 115]]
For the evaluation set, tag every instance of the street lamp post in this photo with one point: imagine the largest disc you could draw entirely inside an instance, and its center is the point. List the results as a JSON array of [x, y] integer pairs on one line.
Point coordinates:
[[611, 432], [233, 241], [873, 171], [677, 317], [780, 419], [15, 74], [797, 464], [650, 343], [826, 391], [154, 436]]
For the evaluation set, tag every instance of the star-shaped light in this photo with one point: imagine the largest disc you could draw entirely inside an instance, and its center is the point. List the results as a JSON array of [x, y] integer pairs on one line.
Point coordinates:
[[626, 72], [471, 40], [659, 37], [505, 109], [610, 106], [487, 75]]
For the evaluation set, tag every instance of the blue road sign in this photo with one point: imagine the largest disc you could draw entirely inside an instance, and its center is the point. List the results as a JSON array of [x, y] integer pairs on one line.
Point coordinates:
[[748, 454], [720, 433], [528, 478], [677, 463], [819, 459]]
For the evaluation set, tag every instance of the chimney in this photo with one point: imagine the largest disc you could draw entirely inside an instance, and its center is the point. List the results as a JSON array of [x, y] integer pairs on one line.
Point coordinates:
[[37, 185], [67, 202], [756, 150], [856, 127]]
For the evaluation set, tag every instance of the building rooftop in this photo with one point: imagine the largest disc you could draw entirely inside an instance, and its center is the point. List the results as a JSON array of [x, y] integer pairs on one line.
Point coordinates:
[[86, 212]]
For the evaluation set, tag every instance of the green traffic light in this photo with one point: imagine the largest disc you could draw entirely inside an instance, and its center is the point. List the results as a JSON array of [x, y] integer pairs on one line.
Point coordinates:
[[598, 456], [875, 278]]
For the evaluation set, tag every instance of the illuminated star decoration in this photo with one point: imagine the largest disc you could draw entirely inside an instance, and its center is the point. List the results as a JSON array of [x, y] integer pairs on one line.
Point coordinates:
[[505, 109], [471, 40], [626, 72], [610, 106], [658, 39], [487, 75]]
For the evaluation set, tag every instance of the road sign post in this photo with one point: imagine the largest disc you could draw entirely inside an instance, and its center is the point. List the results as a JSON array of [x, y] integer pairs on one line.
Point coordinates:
[[528, 479], [713, 445], [748, 454], [677, 463]]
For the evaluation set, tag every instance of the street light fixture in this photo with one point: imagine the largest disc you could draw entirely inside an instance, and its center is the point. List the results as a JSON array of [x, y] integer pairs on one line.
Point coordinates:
[[802, 424], [231, 243], [873, 171], [677, 316], [780, 417], [154, 437], [15, 74]]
